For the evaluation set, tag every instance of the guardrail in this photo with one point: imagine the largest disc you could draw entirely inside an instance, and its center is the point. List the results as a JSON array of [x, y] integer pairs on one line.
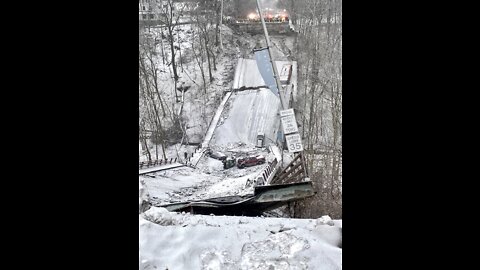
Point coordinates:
[[151, 163], [265, 176], [293, 172], [158, 162]]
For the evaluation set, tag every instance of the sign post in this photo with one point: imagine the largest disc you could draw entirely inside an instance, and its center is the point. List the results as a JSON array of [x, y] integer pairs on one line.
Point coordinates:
[[294, 143], [290, 129]]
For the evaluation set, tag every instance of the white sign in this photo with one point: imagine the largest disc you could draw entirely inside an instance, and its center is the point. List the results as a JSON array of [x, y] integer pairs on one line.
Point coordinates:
[[286, 112], [294, 143], [289, 124]]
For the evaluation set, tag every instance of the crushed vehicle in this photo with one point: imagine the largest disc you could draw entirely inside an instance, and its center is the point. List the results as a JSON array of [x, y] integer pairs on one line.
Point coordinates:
[[250, 161], [216, 155], [228, 163]]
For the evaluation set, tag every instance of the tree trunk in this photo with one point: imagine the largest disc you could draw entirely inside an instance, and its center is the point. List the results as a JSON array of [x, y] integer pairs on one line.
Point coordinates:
[[217, 23], [208, 59], [200, 63], [143, 139], [172, 51]]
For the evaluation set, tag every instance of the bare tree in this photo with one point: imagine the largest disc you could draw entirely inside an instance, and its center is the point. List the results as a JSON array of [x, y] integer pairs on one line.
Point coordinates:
[[147, 94], [169, 14], [318, 23], [143, 138], [197, 51]]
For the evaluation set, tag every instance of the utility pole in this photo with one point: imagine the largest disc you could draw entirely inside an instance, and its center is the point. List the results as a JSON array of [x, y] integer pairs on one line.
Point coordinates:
[[274, 67], [278, 83], [275, 72]]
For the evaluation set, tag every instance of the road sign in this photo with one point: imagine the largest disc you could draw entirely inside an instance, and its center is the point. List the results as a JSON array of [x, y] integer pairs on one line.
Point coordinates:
[[294, 143], [286, 112], [289, 124]]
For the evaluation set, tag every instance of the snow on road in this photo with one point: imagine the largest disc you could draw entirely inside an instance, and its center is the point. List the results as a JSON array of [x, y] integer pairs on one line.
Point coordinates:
[[247, 74], [184, 241], [250, 112]]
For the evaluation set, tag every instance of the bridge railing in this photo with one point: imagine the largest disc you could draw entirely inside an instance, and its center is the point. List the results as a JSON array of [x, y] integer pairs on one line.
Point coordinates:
[[265, 176], [156, 162], [159, 162], [293, 172]]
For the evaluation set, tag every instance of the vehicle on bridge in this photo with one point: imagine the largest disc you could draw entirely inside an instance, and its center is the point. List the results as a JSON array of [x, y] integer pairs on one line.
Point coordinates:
[[260, 140], [216, 155], [228, 163], [250, 161]]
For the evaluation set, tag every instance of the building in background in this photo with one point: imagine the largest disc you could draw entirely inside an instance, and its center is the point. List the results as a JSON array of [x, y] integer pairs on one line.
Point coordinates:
[[146, 9]]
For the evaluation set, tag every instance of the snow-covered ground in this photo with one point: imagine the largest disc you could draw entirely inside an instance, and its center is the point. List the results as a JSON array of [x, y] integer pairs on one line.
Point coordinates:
[[176, 184], [250, 112], [207, 180], [183, 241]]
